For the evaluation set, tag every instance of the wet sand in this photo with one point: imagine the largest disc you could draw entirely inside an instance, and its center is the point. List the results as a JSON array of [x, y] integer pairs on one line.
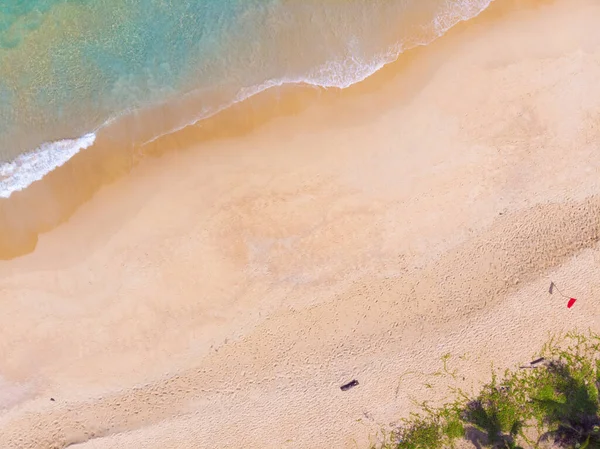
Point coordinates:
[[219, 294]]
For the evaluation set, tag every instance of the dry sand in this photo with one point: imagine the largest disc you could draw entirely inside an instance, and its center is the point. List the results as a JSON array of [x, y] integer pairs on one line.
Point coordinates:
[[218, 297]]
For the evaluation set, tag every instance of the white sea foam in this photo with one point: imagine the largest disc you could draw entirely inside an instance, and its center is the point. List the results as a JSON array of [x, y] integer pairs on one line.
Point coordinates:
[[33, 166], [458, 11]]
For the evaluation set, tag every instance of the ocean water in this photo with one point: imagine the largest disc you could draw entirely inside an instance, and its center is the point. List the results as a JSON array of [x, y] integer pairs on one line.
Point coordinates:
[[68, 68]]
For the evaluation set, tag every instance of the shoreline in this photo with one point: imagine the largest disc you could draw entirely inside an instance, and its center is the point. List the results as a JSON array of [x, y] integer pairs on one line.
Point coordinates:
[[119, 151], [193, 105], [235, 280]]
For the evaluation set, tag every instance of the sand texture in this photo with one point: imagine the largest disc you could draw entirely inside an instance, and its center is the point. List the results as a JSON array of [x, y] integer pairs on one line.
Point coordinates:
[[218, 295]]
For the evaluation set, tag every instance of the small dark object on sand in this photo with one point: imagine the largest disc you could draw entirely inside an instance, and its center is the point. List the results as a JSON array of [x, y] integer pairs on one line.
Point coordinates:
[[52, 399], [534, 363], [349, 385]]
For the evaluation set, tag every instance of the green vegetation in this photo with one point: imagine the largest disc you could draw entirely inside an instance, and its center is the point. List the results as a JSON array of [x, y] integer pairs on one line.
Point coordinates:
[[553, 403]]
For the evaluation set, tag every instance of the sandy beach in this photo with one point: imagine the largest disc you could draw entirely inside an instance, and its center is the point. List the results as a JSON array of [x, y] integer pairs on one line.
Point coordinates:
[[219, 293]]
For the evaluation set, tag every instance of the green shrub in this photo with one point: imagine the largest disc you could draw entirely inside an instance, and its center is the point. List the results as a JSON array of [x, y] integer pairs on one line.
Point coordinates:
[[556, 401]]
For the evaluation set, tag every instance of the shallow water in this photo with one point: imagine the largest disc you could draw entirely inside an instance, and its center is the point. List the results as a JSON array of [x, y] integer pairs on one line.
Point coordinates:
[[68, 67]]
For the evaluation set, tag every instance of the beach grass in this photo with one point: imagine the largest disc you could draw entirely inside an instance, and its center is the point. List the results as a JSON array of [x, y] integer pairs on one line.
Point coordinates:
[[550, 402]]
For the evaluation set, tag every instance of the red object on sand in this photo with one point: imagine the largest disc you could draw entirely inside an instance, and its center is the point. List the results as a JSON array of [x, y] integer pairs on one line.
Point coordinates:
[[571, 302]]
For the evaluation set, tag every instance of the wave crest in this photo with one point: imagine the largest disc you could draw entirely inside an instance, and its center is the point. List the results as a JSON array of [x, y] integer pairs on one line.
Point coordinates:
[[33, 166]]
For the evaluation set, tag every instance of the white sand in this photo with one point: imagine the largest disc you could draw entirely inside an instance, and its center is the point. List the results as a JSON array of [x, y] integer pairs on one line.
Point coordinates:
[[218, 297]]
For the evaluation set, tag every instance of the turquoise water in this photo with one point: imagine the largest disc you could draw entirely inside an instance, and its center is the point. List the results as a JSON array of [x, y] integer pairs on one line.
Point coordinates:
[[68, 67]]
